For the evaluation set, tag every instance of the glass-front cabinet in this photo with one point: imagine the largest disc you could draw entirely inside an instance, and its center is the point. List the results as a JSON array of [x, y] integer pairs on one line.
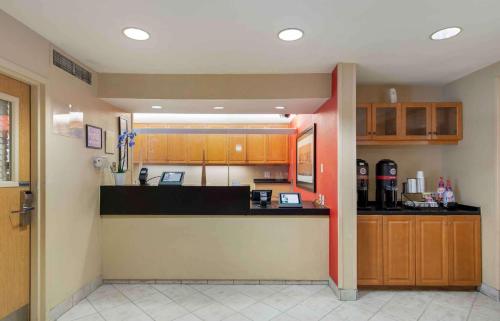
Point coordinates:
[[416, 121], [447, 121], [386, 121]]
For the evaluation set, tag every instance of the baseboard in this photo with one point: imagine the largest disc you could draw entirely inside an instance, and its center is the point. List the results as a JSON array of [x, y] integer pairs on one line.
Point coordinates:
[[74, 299], [21, 314], [490, 291], [343, 294], [217, 282]]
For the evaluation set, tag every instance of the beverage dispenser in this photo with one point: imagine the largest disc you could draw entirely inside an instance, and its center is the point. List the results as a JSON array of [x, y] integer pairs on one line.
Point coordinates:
[[362, 182], [387, 184]]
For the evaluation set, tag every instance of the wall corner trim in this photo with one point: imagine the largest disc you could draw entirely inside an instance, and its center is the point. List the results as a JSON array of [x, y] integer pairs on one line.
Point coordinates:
[[343, 294]]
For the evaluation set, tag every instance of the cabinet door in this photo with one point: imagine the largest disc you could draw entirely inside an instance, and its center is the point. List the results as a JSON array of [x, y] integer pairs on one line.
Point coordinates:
[[370, 255], [217, 147], [237, 145], [416, 121], [386, 121], [256, 146], [447, 121], [277, 148], [399, 250], [431, 234], [363, 121], [464, 250], [176, 146], [196, 146], [157, 146], [140, 150]]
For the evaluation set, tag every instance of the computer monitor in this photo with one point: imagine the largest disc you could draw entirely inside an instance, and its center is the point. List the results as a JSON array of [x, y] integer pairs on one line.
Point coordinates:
[[257, 192], [290, 200], [171, 178]]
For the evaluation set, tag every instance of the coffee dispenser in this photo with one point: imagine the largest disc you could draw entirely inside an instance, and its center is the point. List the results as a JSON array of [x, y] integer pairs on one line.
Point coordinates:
[[387, 184], [362, 182]]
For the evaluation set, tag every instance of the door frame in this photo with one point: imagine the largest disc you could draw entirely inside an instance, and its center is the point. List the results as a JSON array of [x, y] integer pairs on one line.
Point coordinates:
[[38, 120]]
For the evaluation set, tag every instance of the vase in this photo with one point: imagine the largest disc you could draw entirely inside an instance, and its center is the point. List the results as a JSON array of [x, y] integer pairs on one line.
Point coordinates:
[[119, 179]]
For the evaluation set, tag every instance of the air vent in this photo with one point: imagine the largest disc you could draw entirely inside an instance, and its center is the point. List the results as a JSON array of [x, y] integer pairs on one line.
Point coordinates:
[[71, 67]]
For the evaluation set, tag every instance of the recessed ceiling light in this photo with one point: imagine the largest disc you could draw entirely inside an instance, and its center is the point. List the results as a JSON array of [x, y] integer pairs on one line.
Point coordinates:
[[156, 107], [280, 107], [446, 33], [291, 34], [218, 107], [136, 33]]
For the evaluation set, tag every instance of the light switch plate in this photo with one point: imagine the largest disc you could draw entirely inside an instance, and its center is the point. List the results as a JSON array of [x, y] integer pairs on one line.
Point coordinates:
[[321, 168]]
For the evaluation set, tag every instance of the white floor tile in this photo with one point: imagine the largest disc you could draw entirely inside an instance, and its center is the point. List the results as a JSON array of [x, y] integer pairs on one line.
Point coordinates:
[[237, 301], [260, 312], [322, 304], [92, 317], [103, 302], [153, 303], [195, 301], [284, 317], [136, 291], [214, 312], [219, 292], [257, 292], [169, 312], [444, 313], [82, 309], [305, 313], [281, 301], [347, 313], [455, 299], [189, 317], [125, 312], [236, 317], [175, 291]]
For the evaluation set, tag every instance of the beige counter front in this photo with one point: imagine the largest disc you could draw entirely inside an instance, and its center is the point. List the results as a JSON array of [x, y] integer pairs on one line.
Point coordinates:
[[186, 247]]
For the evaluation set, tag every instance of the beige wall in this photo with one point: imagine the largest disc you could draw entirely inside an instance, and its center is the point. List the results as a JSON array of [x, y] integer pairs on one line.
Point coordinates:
[[215, 247], [410, 159], [475, 162], [72, 252]]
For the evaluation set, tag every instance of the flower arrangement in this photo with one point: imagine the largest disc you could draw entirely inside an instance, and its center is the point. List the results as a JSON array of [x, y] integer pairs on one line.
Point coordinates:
[[126, 139]]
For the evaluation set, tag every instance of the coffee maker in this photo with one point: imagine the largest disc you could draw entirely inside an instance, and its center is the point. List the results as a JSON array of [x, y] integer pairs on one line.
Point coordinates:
[[387, 184], [362, 182]]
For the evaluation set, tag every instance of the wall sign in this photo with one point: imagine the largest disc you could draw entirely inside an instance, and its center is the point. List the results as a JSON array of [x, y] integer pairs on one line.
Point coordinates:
[[93, 137], [306, 159]]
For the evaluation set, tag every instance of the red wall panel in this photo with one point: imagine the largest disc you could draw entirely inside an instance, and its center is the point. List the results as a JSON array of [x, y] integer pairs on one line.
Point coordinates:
[[326, 154]]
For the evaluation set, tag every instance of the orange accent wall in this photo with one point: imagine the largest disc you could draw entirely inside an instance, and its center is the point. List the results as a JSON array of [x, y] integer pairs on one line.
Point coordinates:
[[326, 154]]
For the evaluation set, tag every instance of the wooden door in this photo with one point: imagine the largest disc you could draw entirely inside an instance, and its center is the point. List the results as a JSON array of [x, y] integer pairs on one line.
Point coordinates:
[[364, 122], [464, 234], [370, 250], [140, 150], [176, 146], [431, 235], [447, 121], [386, 121], [277, 147], [416, 121], [256, 146], [399, 250], [196, 146], [217, 147], [15, 161], [157, 146]]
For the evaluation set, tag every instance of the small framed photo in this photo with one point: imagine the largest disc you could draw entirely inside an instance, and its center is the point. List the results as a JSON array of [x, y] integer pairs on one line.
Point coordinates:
[[93, 136], [306, 159]]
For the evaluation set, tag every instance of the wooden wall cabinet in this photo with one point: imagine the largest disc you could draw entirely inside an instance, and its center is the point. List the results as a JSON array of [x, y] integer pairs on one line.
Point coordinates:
[[370, 250], [219, 148], [409, 123], [421, 250]]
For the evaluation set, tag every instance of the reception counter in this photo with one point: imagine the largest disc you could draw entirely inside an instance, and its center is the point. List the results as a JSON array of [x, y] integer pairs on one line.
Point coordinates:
[[209, 233]]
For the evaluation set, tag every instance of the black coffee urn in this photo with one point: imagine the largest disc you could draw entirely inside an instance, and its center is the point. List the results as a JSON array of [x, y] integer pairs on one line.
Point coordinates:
[[362, 182], [387, 184]]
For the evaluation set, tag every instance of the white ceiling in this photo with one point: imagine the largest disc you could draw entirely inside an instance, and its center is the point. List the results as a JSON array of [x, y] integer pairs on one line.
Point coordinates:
[[389, 39], [231, 106]]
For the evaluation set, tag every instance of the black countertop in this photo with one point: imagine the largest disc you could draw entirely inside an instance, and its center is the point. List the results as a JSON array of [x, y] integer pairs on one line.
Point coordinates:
[[460, 209], [191, 200], [308, 208]]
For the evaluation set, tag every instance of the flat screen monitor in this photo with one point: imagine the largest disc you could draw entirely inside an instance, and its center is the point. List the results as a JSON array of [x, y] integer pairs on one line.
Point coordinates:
[[290, 200], [256, 195], [171, 178]]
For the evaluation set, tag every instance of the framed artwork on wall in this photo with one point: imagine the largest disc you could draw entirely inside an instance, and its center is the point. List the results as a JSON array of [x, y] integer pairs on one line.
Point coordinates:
[[306, 159], [123, 153], [110, 142], [93, 137]]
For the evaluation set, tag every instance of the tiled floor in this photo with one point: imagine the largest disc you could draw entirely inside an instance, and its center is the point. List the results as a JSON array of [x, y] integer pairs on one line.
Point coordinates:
[[181, 302]]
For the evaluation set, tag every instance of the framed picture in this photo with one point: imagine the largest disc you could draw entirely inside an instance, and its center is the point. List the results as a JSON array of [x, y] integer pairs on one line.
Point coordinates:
[[123, 154], [93, 136], [306, 159], [110, 141]]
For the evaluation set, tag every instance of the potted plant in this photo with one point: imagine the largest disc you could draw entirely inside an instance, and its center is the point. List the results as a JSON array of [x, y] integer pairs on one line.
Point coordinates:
[[125, 140]]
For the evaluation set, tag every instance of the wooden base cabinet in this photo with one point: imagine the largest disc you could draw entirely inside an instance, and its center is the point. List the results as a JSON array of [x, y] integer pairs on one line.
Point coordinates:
[[419, 250], [370, 258]]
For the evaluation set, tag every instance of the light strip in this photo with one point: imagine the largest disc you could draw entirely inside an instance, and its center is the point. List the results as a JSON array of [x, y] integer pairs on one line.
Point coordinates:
[[251, 131]]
